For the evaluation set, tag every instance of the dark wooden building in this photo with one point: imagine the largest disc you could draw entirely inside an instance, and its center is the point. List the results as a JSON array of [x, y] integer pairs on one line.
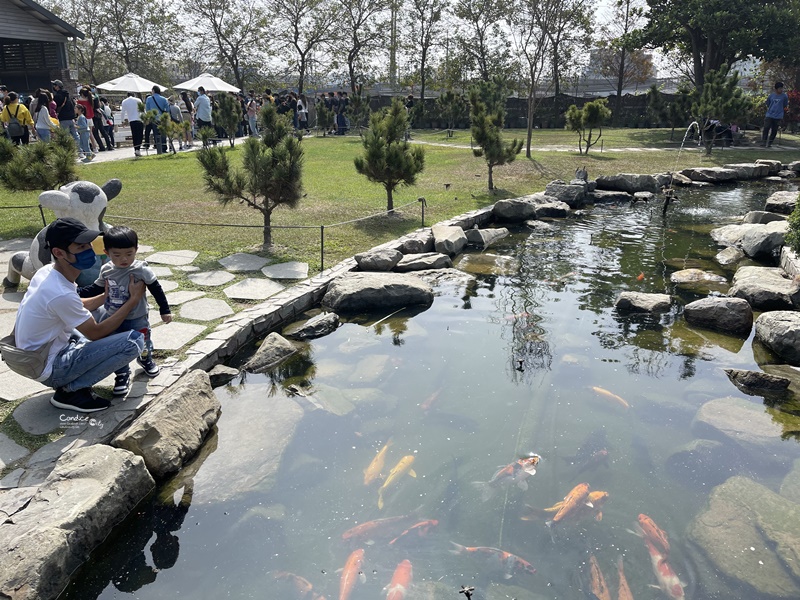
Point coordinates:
[[33, 46]]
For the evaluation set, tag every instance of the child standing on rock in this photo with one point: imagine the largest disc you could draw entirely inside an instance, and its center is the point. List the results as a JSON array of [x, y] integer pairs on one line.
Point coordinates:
[[121, 244]]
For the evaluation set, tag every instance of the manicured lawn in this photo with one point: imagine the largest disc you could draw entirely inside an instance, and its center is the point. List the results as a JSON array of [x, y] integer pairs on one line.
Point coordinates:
[[170, 188]]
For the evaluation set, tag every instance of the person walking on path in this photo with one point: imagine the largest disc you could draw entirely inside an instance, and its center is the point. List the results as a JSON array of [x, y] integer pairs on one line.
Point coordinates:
[[17, 119], [81, 350], [160, 104], [777, 102], [65, 109], [133, 117], [202, 110]]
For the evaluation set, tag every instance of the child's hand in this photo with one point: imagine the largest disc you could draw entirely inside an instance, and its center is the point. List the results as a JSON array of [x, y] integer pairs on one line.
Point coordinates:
[[167, 318]]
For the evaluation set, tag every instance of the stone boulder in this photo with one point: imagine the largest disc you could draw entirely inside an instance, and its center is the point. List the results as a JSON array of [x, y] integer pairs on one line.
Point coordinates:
[[682, 180], [173, 426], [417, 242], [773, 165], [731, 235], [448, 239], [641, 302], [731, 315], [483, 238], [90, 490], [710, 174], [781, 202], [790, 263], [767, 240], [644, 197], [552, 210], [421, 262], [780, 332], [729, 256], [765, 288], [628, 182], [695, 276], [762, 216], [751, 535], [748, 170], [787, 174], [358, 292], [383, 259], [514, 209], [703, 463], [572, 195], [273, 350], [794, 166], [752, 382], [316, 327], [221, 375], [540, 226], [599, 196]]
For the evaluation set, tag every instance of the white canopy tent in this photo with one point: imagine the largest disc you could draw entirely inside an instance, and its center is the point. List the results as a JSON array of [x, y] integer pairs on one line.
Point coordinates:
[[130, 82], [207, 81]]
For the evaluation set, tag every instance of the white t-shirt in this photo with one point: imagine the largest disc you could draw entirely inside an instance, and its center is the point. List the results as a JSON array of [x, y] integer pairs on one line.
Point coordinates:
[[43, 119], [130, 109], [50, 310]]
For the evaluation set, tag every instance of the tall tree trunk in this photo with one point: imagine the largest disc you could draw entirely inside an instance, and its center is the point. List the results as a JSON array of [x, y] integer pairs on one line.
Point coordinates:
[[491, 180], [267, 229], [389, 200], [530, 120]]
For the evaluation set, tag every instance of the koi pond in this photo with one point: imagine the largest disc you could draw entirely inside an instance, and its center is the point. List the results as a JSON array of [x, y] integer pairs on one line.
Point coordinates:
[[520, 423]]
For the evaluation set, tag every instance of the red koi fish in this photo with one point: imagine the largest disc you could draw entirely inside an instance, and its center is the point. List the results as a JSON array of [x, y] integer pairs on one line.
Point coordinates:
[[419, 530], [668, 579], [599, 587], [515, 473], [498, 559], [624, 592], [652, 533], [301, 586], [401, 581], [351, 574]]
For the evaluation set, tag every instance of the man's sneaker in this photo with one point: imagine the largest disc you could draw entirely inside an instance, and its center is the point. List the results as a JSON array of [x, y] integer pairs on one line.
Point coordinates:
[[149, 365], [122, 384], [82, 400]]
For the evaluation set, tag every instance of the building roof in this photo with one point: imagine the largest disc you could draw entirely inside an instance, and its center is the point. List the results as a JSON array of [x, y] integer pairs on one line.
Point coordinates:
[[48, 18]]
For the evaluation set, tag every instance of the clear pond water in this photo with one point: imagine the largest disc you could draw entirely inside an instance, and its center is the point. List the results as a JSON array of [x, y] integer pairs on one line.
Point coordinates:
[[496, 369]]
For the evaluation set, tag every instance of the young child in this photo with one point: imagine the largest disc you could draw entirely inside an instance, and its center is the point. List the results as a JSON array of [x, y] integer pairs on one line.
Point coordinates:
[[121, 244], [84, 131]]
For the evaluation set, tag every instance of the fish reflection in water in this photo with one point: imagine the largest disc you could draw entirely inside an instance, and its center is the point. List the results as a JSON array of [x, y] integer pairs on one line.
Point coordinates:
[[592, 453]]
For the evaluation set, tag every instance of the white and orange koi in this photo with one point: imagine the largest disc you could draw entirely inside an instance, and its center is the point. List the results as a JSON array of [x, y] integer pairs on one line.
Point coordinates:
[[668, 579], [351, 574], [651, 532]]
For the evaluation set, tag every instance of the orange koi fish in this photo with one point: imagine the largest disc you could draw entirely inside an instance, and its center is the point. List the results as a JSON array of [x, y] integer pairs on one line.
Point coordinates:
[[400, 469], [498, 559], [373, 471], [430, 400], [640, 276], [599, 587], [610, 396], [653, 533], [668, 579], [379, 528], [401, 581], [419, 530], [302, 586], [515, 473], [624, 592], [596, 499], [351, 574], [574, 502]]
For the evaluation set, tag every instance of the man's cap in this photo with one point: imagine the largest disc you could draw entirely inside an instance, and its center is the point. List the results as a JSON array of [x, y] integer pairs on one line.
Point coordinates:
[[57, 82], [67, 230]]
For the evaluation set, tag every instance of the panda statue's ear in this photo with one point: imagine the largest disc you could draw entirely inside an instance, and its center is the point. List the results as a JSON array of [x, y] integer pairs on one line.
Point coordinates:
[[53, 199], [112, 188]]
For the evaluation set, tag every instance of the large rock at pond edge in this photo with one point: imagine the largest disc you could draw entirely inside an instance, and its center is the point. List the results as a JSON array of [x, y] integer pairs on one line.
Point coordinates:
[[729, 256], [552, 210], [731, 315], [640, 302], [273, 350], [422, 262], [749, 170], [448, 239], [751, 535], [709, 174], [316, 327], [356, 292], [773, 165], [731, 235], [765, 288], [762, 216], [173, 426], [696, 276], [628, 182], [221, 375], [383, 259], [484, 238], [573, 195], [781, 202], [417, 242], [780, 332], [599, 196], [751, 382], [90, 490], [514, 209], [766, 240]]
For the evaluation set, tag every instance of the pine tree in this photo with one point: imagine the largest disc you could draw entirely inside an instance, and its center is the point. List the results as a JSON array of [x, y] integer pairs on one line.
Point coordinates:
[[584, 121], [721, 101], [40, 166], [228, 114], [388, 158], [271, 173], [452, 107], [487, 114]]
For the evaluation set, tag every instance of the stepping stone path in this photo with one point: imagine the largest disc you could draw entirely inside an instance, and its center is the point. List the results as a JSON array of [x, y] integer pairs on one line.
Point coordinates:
[[253, 289], [180, 297], [173, 257], [168, 285], [10, 451], [211, 278], [241, 261], [173, 336], [205, 309], [161, 271], [287, 270]]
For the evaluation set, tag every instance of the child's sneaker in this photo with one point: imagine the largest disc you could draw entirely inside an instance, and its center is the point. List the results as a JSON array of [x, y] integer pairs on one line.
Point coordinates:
[[149, 365], [122, 384]]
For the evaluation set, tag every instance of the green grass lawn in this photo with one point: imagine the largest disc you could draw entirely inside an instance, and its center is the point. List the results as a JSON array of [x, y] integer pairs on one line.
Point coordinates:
[[170, 188]]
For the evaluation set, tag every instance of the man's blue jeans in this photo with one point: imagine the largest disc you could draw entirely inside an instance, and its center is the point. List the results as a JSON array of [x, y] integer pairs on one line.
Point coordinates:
[[83, 363], [69, 125]]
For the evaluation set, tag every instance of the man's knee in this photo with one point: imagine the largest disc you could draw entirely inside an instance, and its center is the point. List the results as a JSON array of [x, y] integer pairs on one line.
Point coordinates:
[[136, 339]]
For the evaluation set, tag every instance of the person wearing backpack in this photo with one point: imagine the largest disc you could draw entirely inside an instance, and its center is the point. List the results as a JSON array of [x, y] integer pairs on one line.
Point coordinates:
[[160, 104], [65, 109], [17, 119]]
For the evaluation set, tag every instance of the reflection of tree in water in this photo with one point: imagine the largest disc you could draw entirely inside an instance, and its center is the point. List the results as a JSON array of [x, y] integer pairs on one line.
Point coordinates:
[[397, 326]]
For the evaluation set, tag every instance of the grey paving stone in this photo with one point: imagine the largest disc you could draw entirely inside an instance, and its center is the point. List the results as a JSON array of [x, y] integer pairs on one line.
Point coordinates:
[[288, 270], [12, 479], [168, 285], [37, 416], [253, 289], [173, 257], [14, 387], [205, 309], [10, 451], [242, 261], [10, 300], [162, 271], [173, 336], [211, 278], [155, 318], [189, 268], [176, 298], [145, 249]]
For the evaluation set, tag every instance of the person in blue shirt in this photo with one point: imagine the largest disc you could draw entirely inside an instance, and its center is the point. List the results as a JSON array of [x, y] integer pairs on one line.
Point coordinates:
[[160, 104], [776, 108]]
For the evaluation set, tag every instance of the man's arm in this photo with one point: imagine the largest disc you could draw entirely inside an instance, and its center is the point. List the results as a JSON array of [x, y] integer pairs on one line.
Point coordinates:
[[96, 331], [93, 302]]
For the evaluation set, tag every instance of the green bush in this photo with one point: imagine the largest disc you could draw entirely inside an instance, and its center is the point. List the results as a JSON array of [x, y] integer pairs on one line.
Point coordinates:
[[793, 235]]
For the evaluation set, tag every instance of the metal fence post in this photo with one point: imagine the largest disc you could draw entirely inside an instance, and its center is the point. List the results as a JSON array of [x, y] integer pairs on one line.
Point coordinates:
[[41, 211], [321, 248]]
